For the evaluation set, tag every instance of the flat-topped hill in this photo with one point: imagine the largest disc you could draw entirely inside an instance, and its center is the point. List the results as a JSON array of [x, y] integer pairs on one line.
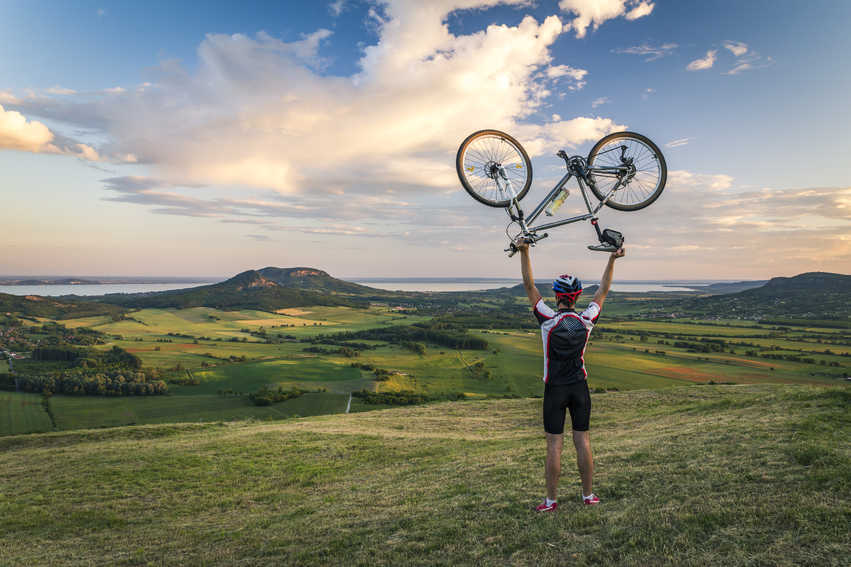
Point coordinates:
[[700, 475]]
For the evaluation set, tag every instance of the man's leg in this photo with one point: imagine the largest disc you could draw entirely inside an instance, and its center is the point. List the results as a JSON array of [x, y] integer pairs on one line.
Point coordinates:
[[554, 446], [582, 442]]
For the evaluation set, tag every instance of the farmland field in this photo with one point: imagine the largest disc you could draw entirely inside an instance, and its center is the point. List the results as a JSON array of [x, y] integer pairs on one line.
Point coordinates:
[[22, 413], [83, 412], [234, 353]]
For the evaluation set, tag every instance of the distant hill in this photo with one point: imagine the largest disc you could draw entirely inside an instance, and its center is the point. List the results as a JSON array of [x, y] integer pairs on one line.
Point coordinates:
[[267, 289], [48, 281], [726, 287], [812, 295], [54, 308], [313, 279]]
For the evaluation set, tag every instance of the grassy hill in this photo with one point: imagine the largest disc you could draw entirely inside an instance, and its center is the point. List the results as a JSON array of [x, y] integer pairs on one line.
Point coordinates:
[[55, 308], [813, 295], [718, 475], [247, 290]]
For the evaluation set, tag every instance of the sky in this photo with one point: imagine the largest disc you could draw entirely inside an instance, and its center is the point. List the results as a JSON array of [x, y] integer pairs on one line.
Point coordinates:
[[157, 138]]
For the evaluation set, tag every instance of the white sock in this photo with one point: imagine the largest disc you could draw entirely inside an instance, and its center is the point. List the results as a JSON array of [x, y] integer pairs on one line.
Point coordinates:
[[550, 502], [589, 497]]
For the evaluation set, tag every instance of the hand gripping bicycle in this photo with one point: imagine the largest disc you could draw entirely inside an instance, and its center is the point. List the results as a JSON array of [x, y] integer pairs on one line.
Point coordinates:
[[625, 171]]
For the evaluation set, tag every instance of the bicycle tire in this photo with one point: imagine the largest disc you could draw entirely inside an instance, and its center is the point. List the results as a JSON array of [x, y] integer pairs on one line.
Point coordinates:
[[492, 146], [657, 175]]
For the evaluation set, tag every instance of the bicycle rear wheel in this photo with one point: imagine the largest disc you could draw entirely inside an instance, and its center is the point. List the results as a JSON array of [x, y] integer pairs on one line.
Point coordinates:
[[477, 163], [645, 182]]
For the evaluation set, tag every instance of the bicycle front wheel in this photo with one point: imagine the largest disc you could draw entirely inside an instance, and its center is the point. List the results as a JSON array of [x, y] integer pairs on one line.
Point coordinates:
[[631, 161], [480, 159]]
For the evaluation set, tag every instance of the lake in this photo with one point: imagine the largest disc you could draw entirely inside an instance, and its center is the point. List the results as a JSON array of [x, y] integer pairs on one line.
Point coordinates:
[[472, 284], [393, 284], [93, 289]]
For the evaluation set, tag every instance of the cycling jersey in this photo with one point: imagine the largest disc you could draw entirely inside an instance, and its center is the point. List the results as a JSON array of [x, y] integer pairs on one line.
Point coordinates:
[[565, 335]]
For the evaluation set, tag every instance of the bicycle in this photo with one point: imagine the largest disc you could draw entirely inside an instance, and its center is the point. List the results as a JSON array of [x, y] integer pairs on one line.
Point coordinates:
[[489, 162]]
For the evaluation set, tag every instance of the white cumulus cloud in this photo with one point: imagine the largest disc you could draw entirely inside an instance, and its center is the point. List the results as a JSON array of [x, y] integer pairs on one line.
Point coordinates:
[[596, 12], [17, 133], [259, 112]]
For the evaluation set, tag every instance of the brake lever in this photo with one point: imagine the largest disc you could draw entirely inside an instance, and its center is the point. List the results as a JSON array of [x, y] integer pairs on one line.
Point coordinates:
[[532, 239]]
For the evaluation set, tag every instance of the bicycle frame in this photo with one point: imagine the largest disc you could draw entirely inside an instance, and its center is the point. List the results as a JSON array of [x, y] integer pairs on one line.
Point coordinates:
[[575, 168]]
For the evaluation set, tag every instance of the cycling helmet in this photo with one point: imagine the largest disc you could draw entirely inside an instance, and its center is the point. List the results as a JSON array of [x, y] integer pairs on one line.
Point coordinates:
[[567, 287]]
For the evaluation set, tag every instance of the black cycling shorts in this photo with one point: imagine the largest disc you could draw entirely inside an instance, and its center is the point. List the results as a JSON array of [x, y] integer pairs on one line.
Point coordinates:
[[573, 397]]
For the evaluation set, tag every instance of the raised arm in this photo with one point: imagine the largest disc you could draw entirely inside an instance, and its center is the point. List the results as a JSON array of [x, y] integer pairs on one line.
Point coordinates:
[[606, 281], [526, 270]]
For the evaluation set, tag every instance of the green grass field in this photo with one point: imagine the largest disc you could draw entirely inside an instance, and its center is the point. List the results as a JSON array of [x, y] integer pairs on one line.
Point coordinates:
[[691, 476], [22, 413], [81, 412], [307, 372], [619, 358]]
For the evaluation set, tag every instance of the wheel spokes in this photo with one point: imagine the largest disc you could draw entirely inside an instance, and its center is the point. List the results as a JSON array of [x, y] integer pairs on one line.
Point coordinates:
[[642, 181], [480, 162]]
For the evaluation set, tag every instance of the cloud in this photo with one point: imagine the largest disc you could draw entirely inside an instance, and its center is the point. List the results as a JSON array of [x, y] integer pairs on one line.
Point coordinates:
[[678, 142], [258, 237], [649, 52], [703, 63], [576, 75], [597, 12], [16, 133], [746, 59], [752, 60], [336, 7], [705, 222], [60, 91], [258, 112], [737, 48], [601, 100], [539, 139]]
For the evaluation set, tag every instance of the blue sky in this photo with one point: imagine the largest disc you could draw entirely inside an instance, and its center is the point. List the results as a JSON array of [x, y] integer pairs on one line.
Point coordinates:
[[160, 138]]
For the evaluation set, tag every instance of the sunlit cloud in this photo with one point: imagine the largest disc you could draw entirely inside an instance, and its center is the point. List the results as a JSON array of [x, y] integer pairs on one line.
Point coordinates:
[[703, 63], [18, 133], [256, 112], [576, 75], [737, 48], [749, 62], [593, 13]]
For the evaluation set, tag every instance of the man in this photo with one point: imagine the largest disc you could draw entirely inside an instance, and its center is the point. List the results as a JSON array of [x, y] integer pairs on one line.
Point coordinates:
[[565, 335]]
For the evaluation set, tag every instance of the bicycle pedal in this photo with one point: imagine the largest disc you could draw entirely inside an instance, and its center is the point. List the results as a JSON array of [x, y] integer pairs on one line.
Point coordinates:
[[602, 248]]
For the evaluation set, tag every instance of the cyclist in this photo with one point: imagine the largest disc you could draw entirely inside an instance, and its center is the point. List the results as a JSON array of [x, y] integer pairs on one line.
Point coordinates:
[[565, 335]]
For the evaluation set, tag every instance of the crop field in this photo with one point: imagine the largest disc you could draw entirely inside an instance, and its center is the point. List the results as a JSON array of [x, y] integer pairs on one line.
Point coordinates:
[[215, 323], [22, 413], [227, 352], [306, 372], [83, 412], [696, 475]]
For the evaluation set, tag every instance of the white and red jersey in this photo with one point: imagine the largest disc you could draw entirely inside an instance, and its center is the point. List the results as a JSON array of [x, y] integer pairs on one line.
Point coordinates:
[[565, 335]]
